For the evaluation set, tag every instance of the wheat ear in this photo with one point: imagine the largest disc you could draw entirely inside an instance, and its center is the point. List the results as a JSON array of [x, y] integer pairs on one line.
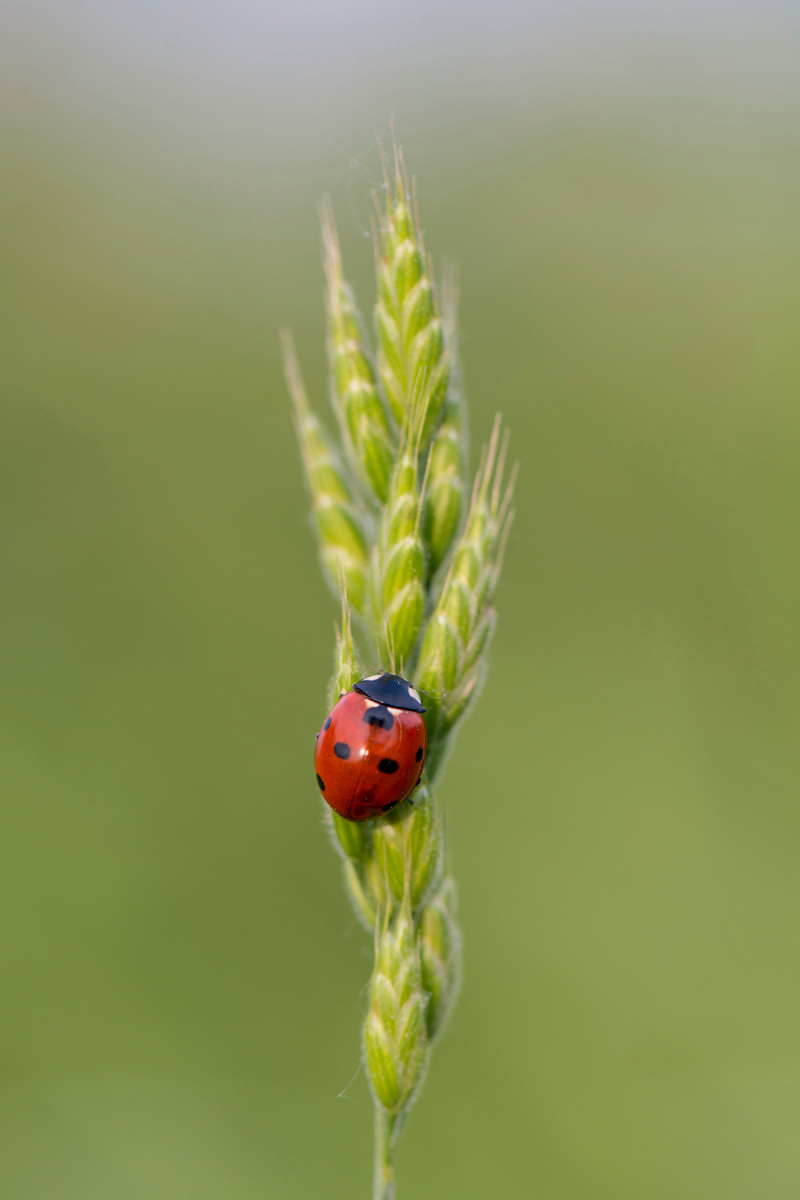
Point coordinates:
[[420, 574]]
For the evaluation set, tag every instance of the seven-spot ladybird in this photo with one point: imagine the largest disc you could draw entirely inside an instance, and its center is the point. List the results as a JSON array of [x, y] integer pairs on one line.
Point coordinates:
[[371, 748]]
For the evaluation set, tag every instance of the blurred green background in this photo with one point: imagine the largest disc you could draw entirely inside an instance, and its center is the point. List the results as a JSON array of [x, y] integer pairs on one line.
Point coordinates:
[[183, 979]]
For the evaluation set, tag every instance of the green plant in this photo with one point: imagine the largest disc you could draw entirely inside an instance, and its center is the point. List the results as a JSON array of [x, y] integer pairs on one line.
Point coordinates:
[[419, 568]]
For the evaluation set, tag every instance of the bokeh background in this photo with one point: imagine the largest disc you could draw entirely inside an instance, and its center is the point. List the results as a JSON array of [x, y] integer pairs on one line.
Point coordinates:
[[182, 977]]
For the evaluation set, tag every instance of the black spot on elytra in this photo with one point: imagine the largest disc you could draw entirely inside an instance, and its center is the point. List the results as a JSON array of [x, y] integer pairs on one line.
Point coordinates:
[[327, 724], [388, 807], [388, 766], [379, 716], [341, 750], [420, 752], [321, 784]]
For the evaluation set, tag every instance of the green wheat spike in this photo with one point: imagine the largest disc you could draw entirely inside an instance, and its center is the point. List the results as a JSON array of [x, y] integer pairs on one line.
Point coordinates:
[[453, 655], [412, 356], [440, 944], [395, 1031], [369, 436], [426, 595], [340, 530], [443, 498], [398, 565]]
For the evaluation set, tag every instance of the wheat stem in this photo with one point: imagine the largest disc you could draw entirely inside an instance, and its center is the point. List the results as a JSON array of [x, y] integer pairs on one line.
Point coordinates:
[[384, 1155]]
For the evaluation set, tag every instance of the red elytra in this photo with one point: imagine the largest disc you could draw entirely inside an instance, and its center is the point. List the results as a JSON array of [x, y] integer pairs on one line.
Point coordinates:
[[371, 749]]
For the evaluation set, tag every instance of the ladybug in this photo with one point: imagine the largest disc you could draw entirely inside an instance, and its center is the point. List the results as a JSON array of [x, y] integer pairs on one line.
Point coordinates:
[[371, 748]]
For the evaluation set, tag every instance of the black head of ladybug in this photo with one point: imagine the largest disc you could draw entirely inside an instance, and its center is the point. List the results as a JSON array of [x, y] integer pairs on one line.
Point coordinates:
[[391, 690]]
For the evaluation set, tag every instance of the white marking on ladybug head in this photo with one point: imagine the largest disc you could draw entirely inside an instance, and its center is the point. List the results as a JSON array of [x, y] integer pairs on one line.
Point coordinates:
[[414, 695], [371, 703], [369, 677]]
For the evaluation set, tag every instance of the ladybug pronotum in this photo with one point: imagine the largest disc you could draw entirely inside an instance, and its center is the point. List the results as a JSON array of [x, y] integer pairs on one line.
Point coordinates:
[[371, 748]]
